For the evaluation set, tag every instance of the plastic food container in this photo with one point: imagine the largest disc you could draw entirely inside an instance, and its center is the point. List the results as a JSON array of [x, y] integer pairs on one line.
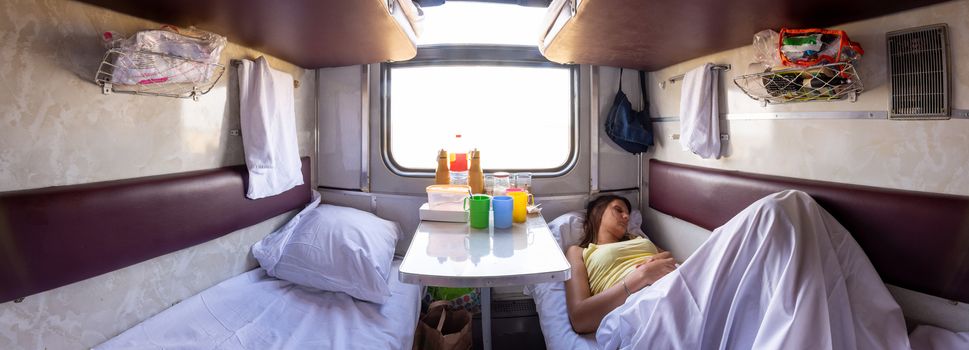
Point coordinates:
[[447, 197], [502, 183]]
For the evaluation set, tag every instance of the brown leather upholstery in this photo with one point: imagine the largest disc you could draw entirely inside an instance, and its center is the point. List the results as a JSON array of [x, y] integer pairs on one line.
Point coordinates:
[[55, 236], [916, 240]]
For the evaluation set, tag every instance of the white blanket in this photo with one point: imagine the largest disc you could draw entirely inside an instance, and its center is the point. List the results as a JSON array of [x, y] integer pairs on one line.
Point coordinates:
[[782, 274], [255, 311], [700, 112], [267, 110], [927, 337]]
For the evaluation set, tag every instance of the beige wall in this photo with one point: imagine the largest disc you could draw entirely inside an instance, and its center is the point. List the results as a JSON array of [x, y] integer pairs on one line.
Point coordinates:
[[56, 128], [916, 155]]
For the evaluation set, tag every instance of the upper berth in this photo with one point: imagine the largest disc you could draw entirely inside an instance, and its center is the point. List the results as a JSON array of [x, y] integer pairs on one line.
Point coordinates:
[[307, 33], [651, 35]]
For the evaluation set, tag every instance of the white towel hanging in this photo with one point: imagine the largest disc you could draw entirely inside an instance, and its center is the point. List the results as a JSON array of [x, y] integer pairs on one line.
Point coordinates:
[[700, 112], [267, 110]]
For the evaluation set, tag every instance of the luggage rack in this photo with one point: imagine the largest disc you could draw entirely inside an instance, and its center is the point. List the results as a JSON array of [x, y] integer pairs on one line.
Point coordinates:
[[158, 74], [827, 82]]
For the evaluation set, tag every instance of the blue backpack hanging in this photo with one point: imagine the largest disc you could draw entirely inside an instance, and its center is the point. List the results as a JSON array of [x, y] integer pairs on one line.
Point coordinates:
[[631, 130]]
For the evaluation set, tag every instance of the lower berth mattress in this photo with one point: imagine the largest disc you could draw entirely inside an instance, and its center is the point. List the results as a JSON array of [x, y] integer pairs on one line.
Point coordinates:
[[255, 311]]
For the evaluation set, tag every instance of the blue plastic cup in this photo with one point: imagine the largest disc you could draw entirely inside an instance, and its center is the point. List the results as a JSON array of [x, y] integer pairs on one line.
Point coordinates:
[[502, 206]]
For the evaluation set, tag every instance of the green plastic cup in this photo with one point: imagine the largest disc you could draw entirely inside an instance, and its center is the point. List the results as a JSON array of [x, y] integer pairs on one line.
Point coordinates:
[[479, 206]]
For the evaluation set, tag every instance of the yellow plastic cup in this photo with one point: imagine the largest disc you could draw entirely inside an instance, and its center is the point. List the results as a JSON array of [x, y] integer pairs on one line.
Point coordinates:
[[521, 201]]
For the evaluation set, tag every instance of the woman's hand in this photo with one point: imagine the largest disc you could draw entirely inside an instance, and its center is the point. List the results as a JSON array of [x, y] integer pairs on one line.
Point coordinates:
[[647, 273]]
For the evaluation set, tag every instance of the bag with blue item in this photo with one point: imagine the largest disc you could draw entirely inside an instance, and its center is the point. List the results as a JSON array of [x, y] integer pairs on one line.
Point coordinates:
[[632, 130]]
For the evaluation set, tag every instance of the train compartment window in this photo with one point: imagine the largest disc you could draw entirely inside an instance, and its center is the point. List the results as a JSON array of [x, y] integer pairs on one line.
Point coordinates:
[[510, 103]]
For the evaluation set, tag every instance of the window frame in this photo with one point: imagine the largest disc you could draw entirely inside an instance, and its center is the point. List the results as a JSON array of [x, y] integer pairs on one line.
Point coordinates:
[[489, 55]]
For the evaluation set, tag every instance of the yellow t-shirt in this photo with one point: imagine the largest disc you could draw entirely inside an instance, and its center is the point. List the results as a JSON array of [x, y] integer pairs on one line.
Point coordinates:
[[607, 264]]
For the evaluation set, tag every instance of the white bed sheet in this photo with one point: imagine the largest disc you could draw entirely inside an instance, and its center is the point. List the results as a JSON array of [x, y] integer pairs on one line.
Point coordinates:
[[256, 311], [927, 337]]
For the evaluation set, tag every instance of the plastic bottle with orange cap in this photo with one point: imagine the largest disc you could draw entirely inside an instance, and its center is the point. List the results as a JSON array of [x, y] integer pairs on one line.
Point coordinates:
[[458, 161]]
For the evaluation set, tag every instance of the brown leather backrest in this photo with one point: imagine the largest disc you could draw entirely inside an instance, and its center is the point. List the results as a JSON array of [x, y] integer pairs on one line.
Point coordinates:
[[55, 236], [916, 240]]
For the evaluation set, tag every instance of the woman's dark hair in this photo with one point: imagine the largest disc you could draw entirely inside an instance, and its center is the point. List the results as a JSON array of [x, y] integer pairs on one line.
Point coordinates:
[[593, 216]]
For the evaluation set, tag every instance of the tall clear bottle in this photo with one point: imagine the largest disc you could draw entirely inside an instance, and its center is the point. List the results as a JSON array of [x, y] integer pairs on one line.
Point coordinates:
[[475, 174], [458, 156]]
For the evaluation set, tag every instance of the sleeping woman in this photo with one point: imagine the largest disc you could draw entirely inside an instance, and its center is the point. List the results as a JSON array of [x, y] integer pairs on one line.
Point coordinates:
[[781, 274], [609, 264]]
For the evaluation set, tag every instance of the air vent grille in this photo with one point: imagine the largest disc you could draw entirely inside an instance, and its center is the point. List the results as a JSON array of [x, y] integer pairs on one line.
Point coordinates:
[[918, 73]]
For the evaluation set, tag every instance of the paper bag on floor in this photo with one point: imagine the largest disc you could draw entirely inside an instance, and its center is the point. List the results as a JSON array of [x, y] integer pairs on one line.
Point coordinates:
[[443, 328]]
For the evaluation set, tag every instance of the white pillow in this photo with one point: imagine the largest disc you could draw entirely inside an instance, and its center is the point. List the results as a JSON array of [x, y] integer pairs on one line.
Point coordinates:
[[333, 248], [567, 228]]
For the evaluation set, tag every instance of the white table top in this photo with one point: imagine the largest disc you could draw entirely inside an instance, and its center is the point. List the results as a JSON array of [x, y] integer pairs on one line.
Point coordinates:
[[456, 255]]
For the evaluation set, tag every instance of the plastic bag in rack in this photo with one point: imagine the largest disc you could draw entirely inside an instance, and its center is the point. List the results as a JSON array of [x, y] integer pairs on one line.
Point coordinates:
[[165, 55], [829, 46], [765, 49]]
